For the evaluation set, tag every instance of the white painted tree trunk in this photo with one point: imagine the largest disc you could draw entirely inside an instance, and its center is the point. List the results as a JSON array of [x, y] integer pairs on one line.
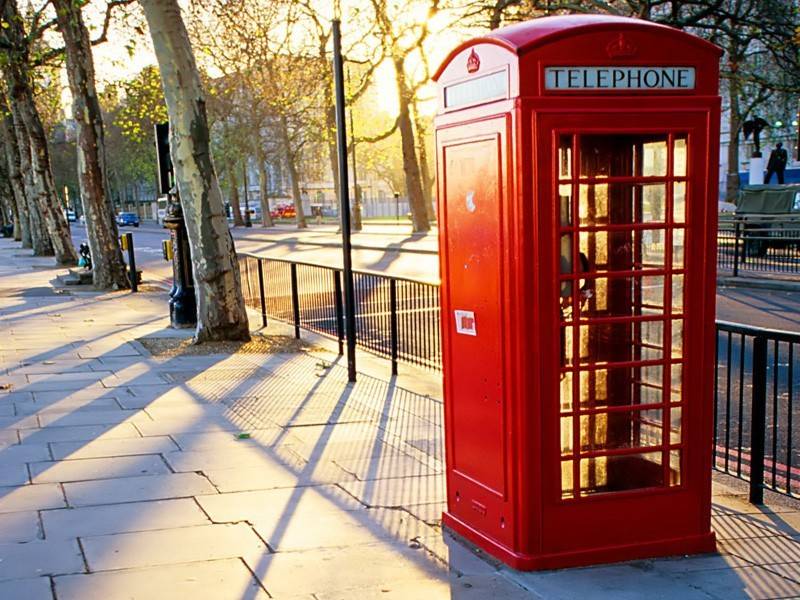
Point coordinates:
[[221, 313]]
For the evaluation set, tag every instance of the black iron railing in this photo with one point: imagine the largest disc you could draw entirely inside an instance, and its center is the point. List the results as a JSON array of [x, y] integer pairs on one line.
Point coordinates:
[[396, 318], [759, 243], [757, 414]]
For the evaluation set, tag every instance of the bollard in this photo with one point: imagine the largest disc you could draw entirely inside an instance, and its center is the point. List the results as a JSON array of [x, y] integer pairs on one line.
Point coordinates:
[[182, 302], [126, 243]]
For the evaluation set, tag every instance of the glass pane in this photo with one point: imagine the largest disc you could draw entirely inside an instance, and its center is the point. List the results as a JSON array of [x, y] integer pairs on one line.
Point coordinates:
[[565, 202], [566, 435], [566, 265], [677, 338], [654, 203], [618, 430], [565, 156], [567, 354], [621, 203], [651, 244], [623, 296], [620, 473], [566, 391], [620, 342], [566, 479], [679, 157], [677, 293], [675, 467], [676, 381], [679, 202], [675, 425], [623, 155], [677, 249], [621, 386], [654, 158]]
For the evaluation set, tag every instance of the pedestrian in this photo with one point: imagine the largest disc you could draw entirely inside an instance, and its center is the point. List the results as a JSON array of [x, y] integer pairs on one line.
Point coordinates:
[[777, 163]]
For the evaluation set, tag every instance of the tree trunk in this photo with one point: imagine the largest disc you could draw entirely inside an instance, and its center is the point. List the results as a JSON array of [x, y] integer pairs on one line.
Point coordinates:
[[266, 215], [108, 267], [16, 69], [22, 232], [419, 216], [333, 153], [424, 166], [236, 205], [291, 163], [221, 313], [40, 238], [734, 126]]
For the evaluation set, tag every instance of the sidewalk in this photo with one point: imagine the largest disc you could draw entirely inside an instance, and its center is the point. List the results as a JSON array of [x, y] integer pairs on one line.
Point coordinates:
[[264, 475]]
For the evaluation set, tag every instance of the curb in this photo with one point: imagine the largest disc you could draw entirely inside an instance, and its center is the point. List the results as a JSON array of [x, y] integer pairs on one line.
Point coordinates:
[[759, 284]]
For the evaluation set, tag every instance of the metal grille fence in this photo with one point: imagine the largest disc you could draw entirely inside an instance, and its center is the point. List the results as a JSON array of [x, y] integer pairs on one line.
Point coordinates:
[[759, 243], [395, 318], [756, 411]]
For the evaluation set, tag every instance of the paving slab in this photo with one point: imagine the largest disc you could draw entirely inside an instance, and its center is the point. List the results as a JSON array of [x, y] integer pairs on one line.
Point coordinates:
[[272, 475], [134, 489], [40, 557], [269, 505], [97, 468], [37, 588], [340, 569], [400, 491], [112, 447], [227, 579], [444, 588], [79, 433], [92, 417], [173, 546], [64, 407], [19, 527], [122, 518], [31, 497]]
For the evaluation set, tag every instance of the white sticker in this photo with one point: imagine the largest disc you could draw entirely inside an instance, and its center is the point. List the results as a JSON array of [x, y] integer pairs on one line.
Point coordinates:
[[471, 201], [465, 322]]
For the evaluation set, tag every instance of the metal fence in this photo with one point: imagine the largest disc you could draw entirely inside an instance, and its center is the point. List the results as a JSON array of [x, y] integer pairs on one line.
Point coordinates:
[[396, 318], [756, 412], [759, 243]]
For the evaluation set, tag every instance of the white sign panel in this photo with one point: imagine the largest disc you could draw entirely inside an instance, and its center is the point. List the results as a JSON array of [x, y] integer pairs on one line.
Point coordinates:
[[465, 322], [619, 78]]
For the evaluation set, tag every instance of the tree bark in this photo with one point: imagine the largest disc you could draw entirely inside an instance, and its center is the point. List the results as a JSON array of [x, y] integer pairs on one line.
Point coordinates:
[[221, 313], [416, 200], [20, 95], [22, 232], [291, 163], [426, 177], [236, 204], [266, 215], [40, 237], [108, 267]]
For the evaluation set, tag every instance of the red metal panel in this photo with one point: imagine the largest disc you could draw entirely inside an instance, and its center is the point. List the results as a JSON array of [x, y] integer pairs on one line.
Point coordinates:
[[473, 246]]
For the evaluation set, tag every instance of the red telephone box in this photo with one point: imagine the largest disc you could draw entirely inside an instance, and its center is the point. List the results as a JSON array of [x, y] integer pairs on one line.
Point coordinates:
[[577, 172]]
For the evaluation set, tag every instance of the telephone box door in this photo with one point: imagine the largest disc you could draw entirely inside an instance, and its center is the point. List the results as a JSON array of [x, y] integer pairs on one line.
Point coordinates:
[[628, 208]]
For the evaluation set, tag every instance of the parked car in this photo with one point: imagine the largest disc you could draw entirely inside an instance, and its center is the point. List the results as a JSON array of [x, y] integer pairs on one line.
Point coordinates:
[[71, 216], [127, 218]]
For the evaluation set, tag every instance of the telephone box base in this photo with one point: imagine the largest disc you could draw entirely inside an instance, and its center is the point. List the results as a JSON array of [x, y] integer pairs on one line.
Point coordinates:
[[699, 544]]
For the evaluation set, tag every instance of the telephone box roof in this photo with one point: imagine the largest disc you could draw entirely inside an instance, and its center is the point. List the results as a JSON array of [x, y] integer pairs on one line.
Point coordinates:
[[525, 36]]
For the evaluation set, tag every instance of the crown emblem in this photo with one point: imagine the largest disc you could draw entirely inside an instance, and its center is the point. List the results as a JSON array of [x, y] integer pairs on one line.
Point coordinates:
[[620, 48], [473, 62]]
